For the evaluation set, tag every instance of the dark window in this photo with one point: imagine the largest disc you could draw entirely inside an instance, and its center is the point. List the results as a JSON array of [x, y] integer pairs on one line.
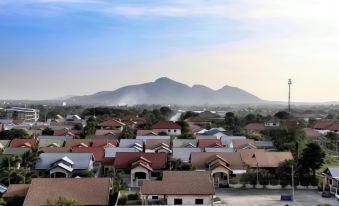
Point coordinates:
[[178, 201], [169, 130], [199, 201], [154, 197], [175, 130]]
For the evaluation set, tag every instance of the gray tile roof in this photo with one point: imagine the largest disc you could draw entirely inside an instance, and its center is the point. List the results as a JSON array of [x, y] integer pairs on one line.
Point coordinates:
[[127, 143], [184, 153], [111, 151], [184, 142], [81, 160], [223, 149], [63, 138], [144, 138]]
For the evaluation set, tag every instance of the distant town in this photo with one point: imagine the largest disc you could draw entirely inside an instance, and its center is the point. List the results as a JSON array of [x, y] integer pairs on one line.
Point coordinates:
[[163, 155]]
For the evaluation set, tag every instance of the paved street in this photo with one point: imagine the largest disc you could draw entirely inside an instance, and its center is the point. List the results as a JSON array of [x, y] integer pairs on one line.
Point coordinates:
[[251, 197]]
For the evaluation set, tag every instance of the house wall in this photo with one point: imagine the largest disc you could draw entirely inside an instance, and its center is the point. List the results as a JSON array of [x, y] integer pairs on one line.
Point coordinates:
[[172, 132], [189, 199]]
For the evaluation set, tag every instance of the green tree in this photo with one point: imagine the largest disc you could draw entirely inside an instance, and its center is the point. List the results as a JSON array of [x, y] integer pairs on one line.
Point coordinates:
[[178, 165], [188, 114], [118, 183], [282, 115], [231, 121], [312, 158], [29, 158], [47, 131], [127, 133], [13, 133], [90, 127], [62, 201], [2, 202], [166, 111], [283, 172], [185, 128]]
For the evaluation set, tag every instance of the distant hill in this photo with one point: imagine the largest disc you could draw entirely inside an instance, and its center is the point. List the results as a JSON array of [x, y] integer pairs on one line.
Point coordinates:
[[166, 91]]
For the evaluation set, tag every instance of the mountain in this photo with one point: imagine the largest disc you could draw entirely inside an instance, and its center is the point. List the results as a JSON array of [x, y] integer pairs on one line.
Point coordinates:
[[166, 91]]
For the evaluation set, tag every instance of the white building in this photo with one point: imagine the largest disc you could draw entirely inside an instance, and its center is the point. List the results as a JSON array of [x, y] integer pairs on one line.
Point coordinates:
[[22, 113]]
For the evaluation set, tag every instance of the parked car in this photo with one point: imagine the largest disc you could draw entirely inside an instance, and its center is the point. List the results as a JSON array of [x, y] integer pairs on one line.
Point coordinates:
[[326, 194]]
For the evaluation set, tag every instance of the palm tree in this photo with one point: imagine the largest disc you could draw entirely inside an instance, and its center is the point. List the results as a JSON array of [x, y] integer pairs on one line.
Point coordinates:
[[29, 158], [62, 201], [12, 161], [12, 175]]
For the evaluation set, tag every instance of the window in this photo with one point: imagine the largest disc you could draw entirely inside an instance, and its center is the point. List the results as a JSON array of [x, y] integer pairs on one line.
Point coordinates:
[[178, 201], [155, 197], [169, 130], [199, 201], [175, 130]]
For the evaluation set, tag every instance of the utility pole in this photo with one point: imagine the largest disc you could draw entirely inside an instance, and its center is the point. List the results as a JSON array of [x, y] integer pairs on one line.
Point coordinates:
[[289, 95], [292, 184]]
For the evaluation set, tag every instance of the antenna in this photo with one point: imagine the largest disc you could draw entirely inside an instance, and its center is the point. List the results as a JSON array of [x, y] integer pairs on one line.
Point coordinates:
[[289, 94]]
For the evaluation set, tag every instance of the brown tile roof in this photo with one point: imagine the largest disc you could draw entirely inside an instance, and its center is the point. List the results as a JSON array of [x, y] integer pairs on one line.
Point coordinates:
[[104, 142], [334, 127], [153, 143], [98, 152], [180, 183], [141, 132], [197, 119], [55, 149], [323, 124], [166, 125], [19, 190], [261, 158], [57, 123], [257, 127], [311, 133], [124, 160], [88, 191], [115, 133], [201, 159], [193, 128], [23, 143], [39, 127], [77, 142], [64, 132], [18, 121], [239, 143], [202, 143], [112, 123]]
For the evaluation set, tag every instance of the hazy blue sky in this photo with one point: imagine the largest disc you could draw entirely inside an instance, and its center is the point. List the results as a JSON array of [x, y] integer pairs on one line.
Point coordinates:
[[51, 48]]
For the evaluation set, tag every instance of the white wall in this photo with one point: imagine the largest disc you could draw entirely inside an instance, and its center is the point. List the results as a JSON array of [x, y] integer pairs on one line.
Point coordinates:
[[189, 199]]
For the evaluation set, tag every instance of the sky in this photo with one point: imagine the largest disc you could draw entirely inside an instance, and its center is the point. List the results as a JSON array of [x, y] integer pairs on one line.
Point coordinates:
[[53, 48]]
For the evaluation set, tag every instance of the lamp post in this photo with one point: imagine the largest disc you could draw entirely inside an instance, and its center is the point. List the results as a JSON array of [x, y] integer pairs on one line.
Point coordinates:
[[292, 184], [289, 94]]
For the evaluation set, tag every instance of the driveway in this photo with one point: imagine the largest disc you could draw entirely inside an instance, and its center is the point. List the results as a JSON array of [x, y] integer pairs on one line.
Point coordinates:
[[252, 197]]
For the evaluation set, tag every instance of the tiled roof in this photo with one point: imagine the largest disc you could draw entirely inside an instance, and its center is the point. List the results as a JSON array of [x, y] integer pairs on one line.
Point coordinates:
[[141, 132], [87, 191], [16, 190], [55, 149], [78, 143], [255, 127], [127, 143], [51, 143], [104, 142], [115, 133], [39, 127], [184, 142], [112, 123], [311, 133], [261, 158], [166, 125], [98, 152], [145, 138], [200, 159], [81, 160], [226, 140], [66, 132], [23, 143], [153, 143], [15, 150], [180, 183], [323, 124], [239, 143], [112, 151], [202, 143], [123, 160], [184, 153]]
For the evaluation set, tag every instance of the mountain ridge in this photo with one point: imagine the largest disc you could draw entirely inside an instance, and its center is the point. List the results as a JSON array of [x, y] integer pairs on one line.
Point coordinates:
[[167, 91]]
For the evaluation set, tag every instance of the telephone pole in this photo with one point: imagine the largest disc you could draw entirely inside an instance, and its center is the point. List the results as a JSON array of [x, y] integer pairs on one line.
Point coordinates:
[[289, 95]]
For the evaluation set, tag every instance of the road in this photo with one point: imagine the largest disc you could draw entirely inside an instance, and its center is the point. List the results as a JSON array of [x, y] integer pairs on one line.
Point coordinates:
[[252, 197]]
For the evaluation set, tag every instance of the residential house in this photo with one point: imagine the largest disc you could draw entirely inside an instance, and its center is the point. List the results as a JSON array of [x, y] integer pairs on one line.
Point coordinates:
[[110, 152], [213, 132], [227, 140], [184, 153], [112, 124], [51, 143], [105, 143], [219, 149], [243, 144], [325, 125], [314, 136], [179, 188], [15, 151], [145, 138], [274, 122], [255, 127], [141, 166], [203, 143], [331, 180], [28, 143], [198, 137], [87, 191], [104, 132], [63, 138], [78, 143], [132, 143], [64, 164], [171, 128], [16, 190], [66, 132], [184, 143], [146, 132], [158, 145], [267, 145]]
